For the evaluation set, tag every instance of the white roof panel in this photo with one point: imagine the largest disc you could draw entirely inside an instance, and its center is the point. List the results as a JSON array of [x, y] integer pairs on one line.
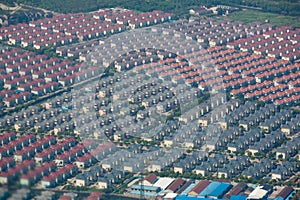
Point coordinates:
[[164, 182], [258, 193], [170, 196]]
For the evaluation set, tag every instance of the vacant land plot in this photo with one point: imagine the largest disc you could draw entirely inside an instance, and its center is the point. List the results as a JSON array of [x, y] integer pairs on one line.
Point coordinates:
[[275, 19]]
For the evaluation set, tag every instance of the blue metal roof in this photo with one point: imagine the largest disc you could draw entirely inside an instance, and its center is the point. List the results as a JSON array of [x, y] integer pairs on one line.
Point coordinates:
[[188, 189], [191, 198], [145, 187], [238, 197], [290, 196], [220, 190], [279, 198], [209, 189], [145, 193]]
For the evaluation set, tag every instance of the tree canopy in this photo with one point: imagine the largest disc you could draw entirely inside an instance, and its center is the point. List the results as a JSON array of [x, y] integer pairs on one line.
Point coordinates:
[[288, 7]]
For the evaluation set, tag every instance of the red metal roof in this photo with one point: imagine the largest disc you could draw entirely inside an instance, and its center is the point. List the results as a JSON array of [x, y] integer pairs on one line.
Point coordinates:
[[200, 186], [285, 192], [176, 185], [151, 178]]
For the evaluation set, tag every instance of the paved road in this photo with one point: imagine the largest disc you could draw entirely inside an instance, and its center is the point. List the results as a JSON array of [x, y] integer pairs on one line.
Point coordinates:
[[5, 7], [21, 6], [38, 8]]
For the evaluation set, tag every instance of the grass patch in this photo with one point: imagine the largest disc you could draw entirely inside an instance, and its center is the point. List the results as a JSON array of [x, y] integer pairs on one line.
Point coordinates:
[[260, 16], [4, 12]]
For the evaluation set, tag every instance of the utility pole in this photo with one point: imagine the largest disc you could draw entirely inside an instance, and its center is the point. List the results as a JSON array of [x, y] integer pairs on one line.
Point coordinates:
[[142, 192], [177, 6]]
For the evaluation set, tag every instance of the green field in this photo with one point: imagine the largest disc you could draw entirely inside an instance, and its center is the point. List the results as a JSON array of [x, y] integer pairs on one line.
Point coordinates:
[[275, 19]]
